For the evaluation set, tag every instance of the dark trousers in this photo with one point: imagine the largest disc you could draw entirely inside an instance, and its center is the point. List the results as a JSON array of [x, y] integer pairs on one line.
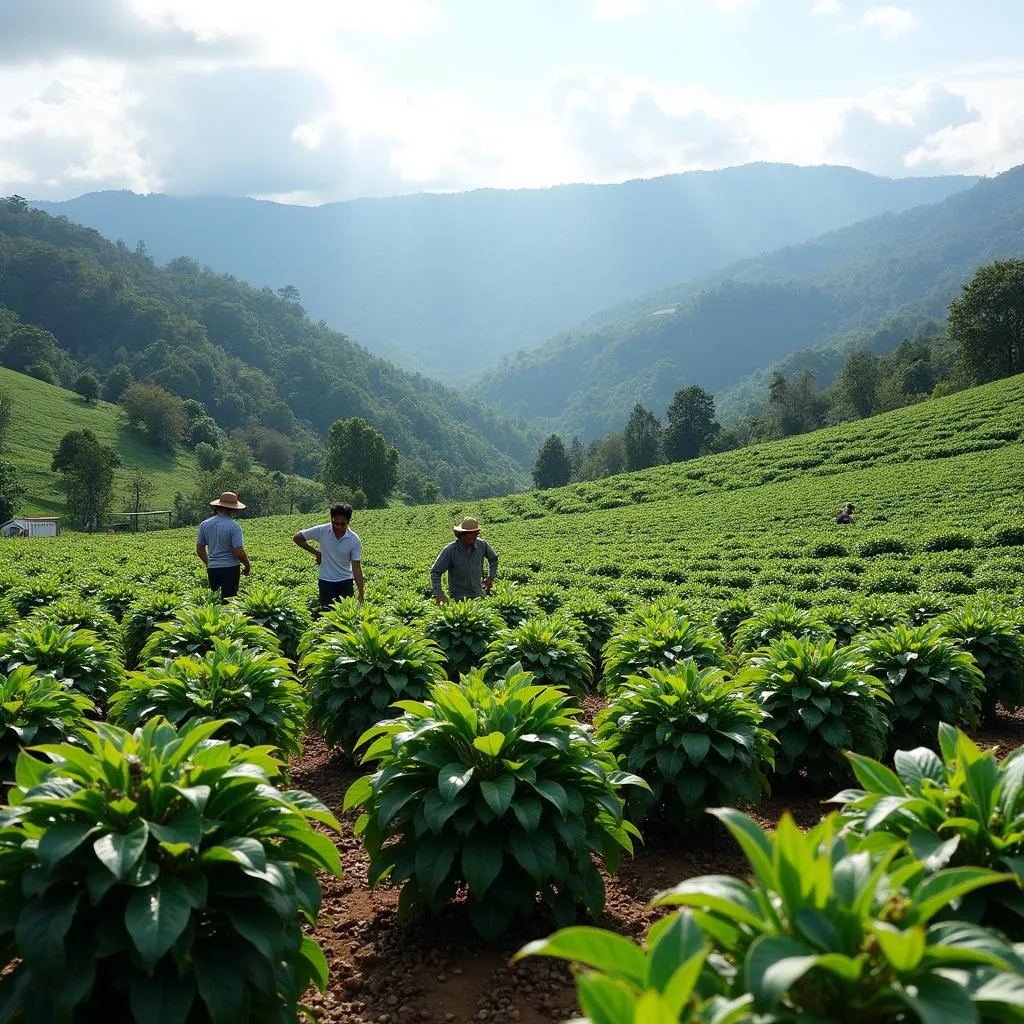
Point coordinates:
[[225, 580], [334, 590]]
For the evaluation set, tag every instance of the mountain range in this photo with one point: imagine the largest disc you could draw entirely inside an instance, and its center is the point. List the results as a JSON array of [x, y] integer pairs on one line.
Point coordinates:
[[452, 284], [870, 281]]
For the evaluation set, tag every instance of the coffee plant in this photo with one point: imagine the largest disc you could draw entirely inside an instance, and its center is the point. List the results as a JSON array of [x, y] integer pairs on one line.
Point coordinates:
[[354, 677], [693, 735], [463, 630], [273, 608], [549, 647], [170, 881], [194, 629], [772, 623], [819, 701], [492, 785]]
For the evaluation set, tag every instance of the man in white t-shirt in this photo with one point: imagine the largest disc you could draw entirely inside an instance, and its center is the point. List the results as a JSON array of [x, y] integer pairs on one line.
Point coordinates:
[[339, 554]]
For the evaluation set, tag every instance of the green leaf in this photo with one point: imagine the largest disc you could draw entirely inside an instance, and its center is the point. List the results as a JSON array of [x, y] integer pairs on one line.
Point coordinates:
[[482, 857], [452, 778], [553, 792], [604, 951], [938, 1000], [358, 793], [221, 986], [434, 857], [696, 746], [42, 926], [498, 793], [119, 852], [938, 891], [164, 998], [490, 744], [752, 840], [603, 1000], [156, 916], [773, 963], [677, 944], [316, 963], [915, 766], [903, 948], [730, 897], [61, 839]]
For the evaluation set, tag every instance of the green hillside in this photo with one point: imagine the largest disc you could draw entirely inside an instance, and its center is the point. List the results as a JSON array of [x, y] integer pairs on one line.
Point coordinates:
[[936, 487], [43, 414], [716, 330]]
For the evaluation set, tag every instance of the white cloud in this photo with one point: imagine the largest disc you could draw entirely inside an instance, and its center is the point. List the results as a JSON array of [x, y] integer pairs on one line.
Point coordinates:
[[606, 9], [889, 20], [826, 8]]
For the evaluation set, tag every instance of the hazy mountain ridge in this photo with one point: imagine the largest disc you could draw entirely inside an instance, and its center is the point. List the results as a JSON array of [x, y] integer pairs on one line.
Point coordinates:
[[461, 280], [724, 327]]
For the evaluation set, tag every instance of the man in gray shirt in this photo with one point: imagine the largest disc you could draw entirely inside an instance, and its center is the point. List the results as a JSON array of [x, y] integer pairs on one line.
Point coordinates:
[[220, 548], [463, 560]]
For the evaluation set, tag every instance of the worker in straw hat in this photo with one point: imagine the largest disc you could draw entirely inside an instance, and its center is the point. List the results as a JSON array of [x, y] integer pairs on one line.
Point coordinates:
[[219, 545], [463, 560]]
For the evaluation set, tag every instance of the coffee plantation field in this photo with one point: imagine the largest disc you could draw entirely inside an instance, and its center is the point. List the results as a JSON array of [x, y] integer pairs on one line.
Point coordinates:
[[226, 806]]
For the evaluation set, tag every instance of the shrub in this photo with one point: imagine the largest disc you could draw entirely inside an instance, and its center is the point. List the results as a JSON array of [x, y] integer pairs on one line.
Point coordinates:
[[172, 881], [1009, 535], [991, 638], [547, 647], [829, 549], [117, 597], [141, 618], [76, 657], [35, 594], [961, 809], [346, 615], [826, 930], [547, 597], [953, 583], [355, 675], [411, 610], [773, 622], [514, 608], [881, 546], [273, 608], [252, 692], [925, 608], [728, 618], [495, 787], [929, 679], [693, 735], [889, 581], [952, 540], [73, 611], [820, 701], [595, 620], [36, 709], [463, 630], [659, 641], [194, 629]]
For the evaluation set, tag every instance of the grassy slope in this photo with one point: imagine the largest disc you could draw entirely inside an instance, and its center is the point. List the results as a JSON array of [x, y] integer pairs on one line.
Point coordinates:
[[43, 414], [758, 521]]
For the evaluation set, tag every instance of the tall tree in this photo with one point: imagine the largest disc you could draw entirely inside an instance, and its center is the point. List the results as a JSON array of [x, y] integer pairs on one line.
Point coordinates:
[[88, 386], [161, 414], [358, 458], [577, 453], [859, 378], [691, 425], [987, 321], [11, 491], [88, 469], [6, 413], [551, 468], [642, 438], [137, 493]]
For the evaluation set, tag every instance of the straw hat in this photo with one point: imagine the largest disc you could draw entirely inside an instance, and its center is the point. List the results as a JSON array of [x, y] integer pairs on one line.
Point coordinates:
[[228, 499], [468, 525]]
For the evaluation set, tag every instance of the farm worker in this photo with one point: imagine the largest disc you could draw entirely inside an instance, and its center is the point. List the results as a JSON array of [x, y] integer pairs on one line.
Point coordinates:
[[219, 546], [339, 554], [463, 560], [845, 514]]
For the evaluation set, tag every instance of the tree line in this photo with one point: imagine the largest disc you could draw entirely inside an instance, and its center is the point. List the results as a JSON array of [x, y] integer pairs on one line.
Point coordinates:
[[983, 340]]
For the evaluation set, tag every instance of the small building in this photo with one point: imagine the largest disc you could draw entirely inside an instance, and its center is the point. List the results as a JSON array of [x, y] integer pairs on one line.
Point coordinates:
[[31, 526]]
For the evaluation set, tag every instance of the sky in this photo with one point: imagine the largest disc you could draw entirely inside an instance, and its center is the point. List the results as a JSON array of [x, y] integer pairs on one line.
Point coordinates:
[[313, 101]]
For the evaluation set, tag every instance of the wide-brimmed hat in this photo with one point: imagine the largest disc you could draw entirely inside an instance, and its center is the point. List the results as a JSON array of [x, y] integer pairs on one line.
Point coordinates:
[[468, 525], [228, 499]]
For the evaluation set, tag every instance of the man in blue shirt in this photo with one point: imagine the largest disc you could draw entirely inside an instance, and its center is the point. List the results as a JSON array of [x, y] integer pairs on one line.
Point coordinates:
[[220, 548], [463, 560], [339, 554]]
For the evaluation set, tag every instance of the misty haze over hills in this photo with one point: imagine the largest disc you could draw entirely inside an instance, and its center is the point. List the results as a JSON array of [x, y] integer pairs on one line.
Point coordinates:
[[717, 330], [455, 283]]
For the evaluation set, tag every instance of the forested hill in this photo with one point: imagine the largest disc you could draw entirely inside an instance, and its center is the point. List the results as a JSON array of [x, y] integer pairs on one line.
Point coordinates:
[[455, 282], [249, 355], [717, 331]]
